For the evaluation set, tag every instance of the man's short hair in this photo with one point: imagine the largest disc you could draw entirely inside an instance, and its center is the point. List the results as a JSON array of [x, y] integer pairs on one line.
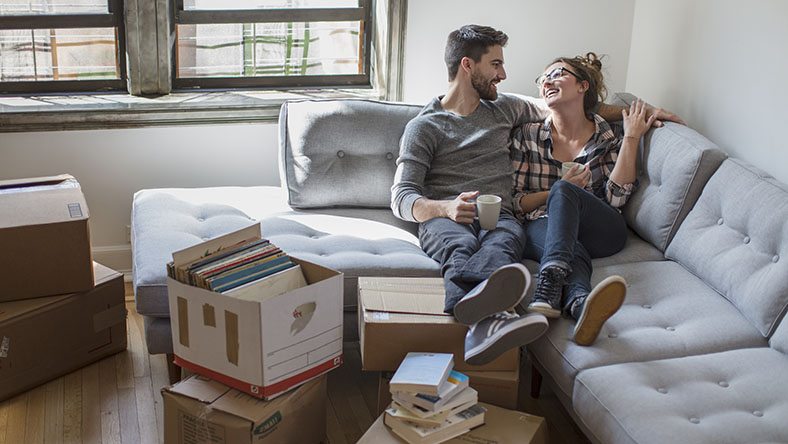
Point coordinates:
[[472, 41]]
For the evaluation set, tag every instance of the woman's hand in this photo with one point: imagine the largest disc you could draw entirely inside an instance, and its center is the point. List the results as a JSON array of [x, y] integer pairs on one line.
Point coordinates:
[[580, 179], [635, 122]]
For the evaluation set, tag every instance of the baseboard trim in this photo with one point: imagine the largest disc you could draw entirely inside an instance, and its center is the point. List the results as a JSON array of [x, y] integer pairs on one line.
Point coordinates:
[[116, 257]]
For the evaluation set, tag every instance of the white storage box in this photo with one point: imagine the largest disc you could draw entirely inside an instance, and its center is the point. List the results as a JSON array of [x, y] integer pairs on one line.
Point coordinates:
[[260, 347]]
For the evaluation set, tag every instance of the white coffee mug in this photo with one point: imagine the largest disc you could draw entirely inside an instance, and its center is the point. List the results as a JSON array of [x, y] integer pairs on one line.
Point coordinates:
[[566, 166], [488, 208]]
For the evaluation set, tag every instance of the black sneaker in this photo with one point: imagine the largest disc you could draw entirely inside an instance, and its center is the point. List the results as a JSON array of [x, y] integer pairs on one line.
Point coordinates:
[[490, 337], [547, 297], [504, 289], [602, 303]]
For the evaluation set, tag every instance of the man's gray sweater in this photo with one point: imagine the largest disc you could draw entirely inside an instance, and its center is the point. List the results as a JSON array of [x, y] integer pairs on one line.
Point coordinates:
[[443, 154]]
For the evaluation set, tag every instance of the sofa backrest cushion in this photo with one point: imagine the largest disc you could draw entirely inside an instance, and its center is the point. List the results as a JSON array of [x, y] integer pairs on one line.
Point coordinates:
[[340, 152], [674, 164], [736, 240], [779, 340]]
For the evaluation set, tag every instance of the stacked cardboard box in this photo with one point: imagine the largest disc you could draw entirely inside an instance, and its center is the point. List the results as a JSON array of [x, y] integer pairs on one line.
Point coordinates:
[[59, 310], [262, 346], [199, 410], [401, 315]]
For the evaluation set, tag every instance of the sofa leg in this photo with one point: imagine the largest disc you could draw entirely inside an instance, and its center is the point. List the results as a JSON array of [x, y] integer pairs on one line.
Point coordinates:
[[173, 370], [536, 382]]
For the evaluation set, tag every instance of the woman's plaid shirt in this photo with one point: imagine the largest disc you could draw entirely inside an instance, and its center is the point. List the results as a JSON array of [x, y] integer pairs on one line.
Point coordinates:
[[536, 170]]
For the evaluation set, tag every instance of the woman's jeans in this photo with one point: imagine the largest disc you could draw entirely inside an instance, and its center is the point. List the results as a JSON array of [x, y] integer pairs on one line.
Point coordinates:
[[579, 227], [468, 254]]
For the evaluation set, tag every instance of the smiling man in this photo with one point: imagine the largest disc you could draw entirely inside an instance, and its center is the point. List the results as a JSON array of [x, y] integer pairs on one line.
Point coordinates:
[[454, 150]]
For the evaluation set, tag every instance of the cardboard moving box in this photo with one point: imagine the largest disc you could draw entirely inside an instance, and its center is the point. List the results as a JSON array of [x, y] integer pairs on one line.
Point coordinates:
[[45, 238], [401, 315], [260, 347], [43, 338], [198, 410], [501, 426]]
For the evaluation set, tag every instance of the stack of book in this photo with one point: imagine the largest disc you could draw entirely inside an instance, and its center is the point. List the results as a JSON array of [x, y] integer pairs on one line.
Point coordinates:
[[233, 267], [432, 403]]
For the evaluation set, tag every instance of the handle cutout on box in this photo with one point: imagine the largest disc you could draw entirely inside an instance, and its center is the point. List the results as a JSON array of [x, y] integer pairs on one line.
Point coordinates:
[[208, 315], [231, 334], [183, 321]]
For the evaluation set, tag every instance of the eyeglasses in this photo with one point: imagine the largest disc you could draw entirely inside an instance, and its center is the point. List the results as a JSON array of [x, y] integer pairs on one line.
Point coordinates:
[[554, 75]]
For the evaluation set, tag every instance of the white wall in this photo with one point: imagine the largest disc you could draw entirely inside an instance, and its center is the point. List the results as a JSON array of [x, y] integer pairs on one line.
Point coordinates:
[[112, 164], [723, 67], [538, 30]]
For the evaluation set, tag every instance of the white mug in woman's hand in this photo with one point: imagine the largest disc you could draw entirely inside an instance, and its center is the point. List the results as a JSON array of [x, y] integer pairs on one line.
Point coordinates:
[[566, 166]]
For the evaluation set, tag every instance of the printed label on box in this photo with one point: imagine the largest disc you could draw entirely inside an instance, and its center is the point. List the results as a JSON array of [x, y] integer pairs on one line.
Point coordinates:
[[193, 430]]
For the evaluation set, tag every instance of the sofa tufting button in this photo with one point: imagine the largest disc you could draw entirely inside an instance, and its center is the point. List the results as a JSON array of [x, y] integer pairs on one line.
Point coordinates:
[[662, 390], [200, 219], [723, 384], [389, 156], [719, 222], [670, 329], [340, 154], [612, 335], [746, 239], [757, 413], [205, 238], [694, 420], [776, 258], [647, 306]]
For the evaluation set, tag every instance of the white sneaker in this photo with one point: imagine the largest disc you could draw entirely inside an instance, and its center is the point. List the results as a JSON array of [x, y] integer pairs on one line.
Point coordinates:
[[504, 289]]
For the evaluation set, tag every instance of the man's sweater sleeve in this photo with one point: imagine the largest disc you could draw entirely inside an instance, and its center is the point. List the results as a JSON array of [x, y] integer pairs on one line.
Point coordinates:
[[415, 156]]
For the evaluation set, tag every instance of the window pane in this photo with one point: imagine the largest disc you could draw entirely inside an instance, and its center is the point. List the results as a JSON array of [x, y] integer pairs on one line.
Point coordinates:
[[262, 4], [26, 7], [268, 49], [58, 54]]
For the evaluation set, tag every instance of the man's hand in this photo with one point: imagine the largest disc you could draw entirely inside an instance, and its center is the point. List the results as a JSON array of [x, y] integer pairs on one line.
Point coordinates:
[[461, 209], [663, 114]]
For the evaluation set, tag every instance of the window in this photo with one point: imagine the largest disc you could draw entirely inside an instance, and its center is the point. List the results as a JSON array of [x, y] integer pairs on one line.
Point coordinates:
[[271, 43], [61, 46]]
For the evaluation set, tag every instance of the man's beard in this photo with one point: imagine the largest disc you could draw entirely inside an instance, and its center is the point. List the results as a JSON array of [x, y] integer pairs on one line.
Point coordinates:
[[484, 88]]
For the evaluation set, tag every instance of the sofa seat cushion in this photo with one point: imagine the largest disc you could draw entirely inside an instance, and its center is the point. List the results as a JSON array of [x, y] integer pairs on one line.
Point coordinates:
[[730, 397], [358, 242], [668, 312], [736, 239]]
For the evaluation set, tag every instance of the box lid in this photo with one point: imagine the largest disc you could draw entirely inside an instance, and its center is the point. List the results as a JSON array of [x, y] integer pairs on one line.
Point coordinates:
[[199, 388], [13, 309], [41, 200], [403, 295]]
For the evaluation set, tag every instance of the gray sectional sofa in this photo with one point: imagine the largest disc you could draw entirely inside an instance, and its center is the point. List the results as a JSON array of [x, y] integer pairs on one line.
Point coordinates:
[[697, 354]]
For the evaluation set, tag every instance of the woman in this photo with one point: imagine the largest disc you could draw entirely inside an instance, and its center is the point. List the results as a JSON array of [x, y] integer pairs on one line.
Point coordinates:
[[570, 219]]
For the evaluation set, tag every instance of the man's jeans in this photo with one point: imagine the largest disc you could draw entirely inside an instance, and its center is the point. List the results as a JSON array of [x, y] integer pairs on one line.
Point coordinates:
[[579, 227], [468, 254]]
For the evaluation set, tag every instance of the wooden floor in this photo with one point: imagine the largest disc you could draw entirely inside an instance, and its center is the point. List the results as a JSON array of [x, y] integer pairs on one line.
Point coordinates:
[[118, 400]]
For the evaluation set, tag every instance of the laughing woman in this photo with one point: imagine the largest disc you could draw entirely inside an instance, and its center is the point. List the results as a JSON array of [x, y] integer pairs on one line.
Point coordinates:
[[572, 217]]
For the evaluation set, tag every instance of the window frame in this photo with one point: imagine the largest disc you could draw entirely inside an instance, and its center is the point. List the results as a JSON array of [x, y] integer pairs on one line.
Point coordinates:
[[362, 13], [113, 18]]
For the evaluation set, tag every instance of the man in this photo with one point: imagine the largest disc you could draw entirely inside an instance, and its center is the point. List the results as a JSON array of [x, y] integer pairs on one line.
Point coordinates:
[[454, 150]]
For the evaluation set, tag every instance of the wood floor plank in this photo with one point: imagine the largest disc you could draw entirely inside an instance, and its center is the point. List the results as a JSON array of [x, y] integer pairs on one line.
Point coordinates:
[[3, 420], [137, 348], [72, 408], [124, 370], [146, 411], [91, 404], [53, 424], [17, 414], [108, 394], [339, 401], [159, 379], [36, 415], [127, 413]]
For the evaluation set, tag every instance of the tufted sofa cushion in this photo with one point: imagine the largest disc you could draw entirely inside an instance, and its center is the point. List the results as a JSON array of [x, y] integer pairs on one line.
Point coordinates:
[[340, 153], [668, 313], [779, 340], [736, 239], [731, 397]]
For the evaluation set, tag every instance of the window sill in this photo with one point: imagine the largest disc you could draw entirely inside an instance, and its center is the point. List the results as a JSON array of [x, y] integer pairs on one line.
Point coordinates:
[[108, 111]]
